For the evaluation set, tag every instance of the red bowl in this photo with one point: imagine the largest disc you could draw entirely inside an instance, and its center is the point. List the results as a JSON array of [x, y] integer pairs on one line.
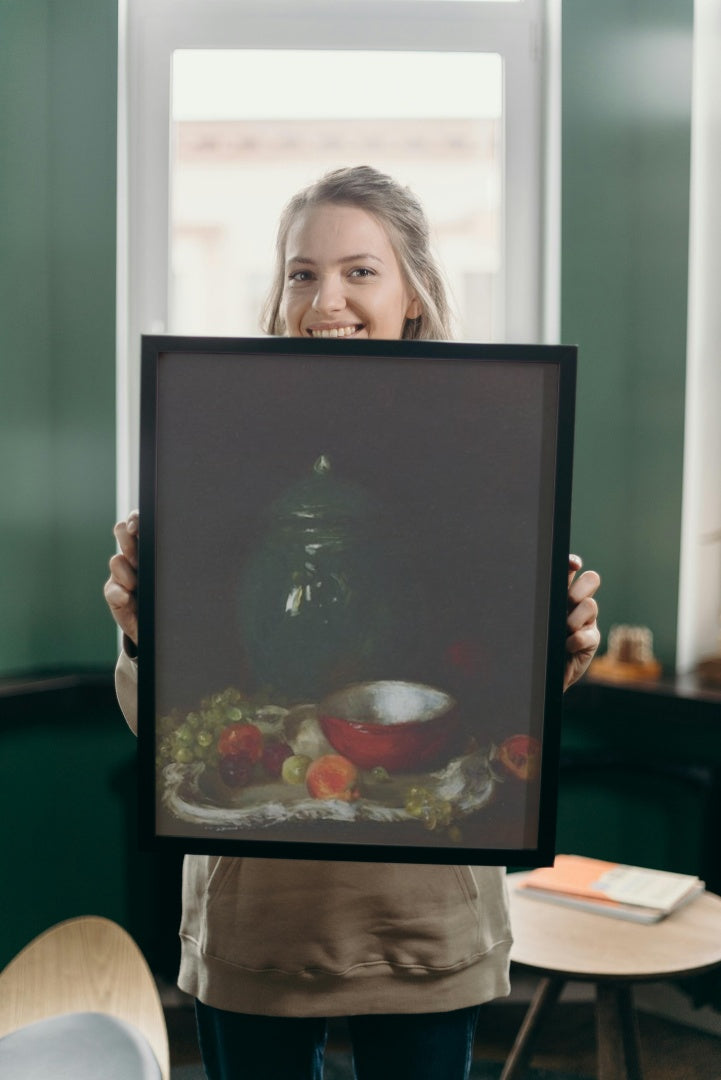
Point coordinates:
[[402, 726]]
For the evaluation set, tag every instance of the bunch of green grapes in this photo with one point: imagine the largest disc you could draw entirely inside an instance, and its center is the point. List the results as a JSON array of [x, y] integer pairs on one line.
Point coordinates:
[[432, 812], [193, 737]]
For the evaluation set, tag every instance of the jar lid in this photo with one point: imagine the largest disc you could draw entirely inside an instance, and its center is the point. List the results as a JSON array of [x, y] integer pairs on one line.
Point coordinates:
[[319, 494]]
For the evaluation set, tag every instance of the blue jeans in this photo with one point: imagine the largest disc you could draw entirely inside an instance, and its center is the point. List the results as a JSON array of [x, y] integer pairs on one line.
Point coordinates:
[[415, 1046]]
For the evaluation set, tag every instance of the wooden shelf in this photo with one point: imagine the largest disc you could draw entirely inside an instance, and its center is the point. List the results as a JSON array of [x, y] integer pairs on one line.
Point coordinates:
[[680, 696]]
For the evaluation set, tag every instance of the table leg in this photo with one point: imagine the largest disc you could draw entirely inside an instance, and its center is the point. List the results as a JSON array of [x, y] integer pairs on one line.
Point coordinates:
[[617, 1033], [545, 997]]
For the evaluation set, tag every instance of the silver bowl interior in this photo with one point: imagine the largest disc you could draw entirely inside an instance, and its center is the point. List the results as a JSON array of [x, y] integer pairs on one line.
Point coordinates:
[[388, 703]]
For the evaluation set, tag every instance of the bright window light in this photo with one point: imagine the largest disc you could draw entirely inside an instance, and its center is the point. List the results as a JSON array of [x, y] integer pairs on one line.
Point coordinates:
[[224, 84], [239, 154]]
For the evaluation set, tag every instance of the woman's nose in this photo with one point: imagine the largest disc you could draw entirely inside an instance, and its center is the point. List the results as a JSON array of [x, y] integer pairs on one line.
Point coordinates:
[[329, 296]]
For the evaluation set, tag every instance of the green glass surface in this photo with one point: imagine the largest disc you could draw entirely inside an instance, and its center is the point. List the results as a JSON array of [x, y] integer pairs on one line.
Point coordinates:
[[324, 601]]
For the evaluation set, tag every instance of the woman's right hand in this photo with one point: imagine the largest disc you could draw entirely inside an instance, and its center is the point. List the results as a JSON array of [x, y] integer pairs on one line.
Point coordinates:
[[121, 587]]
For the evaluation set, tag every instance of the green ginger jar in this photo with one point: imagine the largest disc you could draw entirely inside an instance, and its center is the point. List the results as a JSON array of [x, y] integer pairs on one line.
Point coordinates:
[[323, 601]]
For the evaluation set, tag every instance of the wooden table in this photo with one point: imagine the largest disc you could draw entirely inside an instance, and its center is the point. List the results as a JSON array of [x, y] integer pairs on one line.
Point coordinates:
[[562, 944]]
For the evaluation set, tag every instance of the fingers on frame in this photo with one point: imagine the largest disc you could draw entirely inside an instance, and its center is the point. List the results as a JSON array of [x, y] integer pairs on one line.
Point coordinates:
[[585, 640], [586, 585], [127, 539], [128, 546], [575, 563], [131, 523], [123, 572], [117, 597], [582, 614]]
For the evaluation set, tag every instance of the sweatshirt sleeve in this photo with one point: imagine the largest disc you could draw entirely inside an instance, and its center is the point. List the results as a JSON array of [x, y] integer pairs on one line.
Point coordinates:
[[126, 688]]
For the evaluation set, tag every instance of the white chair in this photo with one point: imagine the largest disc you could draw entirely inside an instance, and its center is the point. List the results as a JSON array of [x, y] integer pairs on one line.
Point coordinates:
[[80, 1002]]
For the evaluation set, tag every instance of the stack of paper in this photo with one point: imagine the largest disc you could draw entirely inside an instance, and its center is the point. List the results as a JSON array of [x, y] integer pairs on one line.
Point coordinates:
[[608, 888]]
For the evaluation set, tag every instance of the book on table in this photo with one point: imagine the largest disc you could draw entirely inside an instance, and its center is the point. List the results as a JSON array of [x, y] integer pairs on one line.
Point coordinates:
[[610, 888]]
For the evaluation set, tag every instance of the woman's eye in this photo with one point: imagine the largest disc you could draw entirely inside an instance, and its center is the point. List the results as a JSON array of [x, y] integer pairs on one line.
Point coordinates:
[[362, 272], [300, 276]]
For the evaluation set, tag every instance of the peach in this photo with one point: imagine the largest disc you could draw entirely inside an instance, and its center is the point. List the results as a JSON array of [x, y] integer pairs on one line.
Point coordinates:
[[332, 777]]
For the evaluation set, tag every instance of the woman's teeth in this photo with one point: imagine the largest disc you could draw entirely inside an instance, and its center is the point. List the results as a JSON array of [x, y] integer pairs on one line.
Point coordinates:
[[337, 331]]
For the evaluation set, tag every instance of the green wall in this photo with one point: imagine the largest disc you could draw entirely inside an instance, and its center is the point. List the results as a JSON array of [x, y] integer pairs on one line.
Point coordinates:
[[58, 72], [625, 200], [66, 759]]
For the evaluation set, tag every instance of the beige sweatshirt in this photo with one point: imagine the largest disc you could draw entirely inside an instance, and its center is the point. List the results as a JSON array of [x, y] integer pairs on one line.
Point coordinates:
[[284, 937]]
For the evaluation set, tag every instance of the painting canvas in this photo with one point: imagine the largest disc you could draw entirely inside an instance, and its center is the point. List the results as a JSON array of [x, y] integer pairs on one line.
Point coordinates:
[[352, 597]]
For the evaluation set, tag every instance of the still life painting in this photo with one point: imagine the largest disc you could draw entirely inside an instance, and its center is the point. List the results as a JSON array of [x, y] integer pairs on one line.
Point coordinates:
[[352, 597]]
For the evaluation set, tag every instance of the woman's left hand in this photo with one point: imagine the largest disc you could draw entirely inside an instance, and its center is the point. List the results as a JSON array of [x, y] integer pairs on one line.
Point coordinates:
[[583, 635]]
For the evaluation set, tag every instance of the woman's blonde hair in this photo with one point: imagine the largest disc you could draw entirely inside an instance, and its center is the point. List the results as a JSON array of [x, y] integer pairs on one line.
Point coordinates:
[[403, 217]]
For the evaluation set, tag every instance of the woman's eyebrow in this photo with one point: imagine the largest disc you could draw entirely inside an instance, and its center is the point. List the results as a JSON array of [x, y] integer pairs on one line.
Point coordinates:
[[361, 257]]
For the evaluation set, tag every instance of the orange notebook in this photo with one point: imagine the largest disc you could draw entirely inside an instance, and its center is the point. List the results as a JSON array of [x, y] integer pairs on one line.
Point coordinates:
[[632, 892]]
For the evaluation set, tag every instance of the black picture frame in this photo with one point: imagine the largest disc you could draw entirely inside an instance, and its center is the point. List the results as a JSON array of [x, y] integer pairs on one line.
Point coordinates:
[[411, 502]]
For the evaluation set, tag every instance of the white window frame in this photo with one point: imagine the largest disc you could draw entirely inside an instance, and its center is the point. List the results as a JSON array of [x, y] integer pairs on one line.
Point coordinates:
[[699, 597], [526, 34]]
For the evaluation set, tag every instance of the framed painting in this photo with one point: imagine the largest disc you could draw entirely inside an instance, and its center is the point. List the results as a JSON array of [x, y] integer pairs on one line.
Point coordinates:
[[352, 597]]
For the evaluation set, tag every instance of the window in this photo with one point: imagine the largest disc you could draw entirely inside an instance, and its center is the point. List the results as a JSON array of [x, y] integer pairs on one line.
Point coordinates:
[[236, 161], [227, 107]]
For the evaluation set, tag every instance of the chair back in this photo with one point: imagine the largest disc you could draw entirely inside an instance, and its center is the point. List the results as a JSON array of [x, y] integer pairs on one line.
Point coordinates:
[[86, 964]]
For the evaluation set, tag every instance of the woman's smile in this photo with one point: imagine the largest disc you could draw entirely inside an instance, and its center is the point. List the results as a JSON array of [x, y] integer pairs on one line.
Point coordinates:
[[335, 331], [343, 278]]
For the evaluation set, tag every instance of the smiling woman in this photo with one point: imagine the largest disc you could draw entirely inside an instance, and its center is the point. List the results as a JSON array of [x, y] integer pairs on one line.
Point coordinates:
[[331, 292], [353, 259]]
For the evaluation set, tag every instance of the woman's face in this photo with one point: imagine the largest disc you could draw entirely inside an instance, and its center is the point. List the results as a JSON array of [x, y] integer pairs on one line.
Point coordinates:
[[342, 277]]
